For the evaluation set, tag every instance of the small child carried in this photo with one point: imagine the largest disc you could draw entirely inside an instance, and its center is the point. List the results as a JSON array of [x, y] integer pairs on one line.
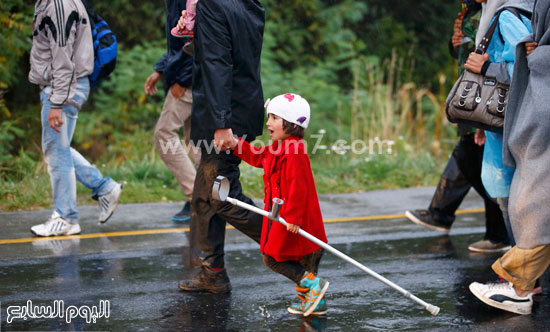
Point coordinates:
[[288, 175]]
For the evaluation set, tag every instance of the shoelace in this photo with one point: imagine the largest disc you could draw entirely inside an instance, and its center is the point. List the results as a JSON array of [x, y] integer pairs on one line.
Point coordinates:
[[303, 301], [499, 285]]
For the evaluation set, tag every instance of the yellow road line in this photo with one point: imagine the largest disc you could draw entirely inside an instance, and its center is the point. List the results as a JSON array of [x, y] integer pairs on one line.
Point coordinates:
[[186, 229]]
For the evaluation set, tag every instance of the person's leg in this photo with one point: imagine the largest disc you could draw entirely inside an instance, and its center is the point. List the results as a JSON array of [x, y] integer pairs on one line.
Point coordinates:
[[310, 288], [193, 152], [311, 262], [293, 270], [522, 267], [91, 177], [450, 191], [209, 215], [470, 158], [56, 148], [208, 218], [175, 115]]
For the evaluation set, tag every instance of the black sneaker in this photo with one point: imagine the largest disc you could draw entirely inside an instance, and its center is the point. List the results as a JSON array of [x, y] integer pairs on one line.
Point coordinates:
[[184, 214], [207, 281], [424, 218]]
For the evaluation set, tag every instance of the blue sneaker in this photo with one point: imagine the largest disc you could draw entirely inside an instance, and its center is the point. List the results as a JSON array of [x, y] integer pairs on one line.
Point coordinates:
[[184, 214], [298, 308], [317, 288]]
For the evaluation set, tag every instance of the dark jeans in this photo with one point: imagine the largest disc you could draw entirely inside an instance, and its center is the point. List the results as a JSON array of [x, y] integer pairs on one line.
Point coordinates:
[[463, 171], [294, 270], [209, 216]]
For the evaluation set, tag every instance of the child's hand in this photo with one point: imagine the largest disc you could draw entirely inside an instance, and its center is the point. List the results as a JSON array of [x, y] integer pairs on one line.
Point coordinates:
[[181, 24], [292, 228]]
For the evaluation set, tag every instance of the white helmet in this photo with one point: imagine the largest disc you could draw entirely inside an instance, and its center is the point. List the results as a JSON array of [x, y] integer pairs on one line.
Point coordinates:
[[290, 107]]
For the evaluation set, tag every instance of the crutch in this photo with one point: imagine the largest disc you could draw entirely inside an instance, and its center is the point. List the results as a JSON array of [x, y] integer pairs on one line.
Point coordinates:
[[220, 191]]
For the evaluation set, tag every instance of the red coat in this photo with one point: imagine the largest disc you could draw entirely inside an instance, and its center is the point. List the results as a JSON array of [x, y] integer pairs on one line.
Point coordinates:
[[287, 175]]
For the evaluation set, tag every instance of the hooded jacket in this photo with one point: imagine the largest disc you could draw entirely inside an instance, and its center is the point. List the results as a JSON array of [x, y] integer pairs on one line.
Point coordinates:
[[227, 90], [62, 49], [526, 132]]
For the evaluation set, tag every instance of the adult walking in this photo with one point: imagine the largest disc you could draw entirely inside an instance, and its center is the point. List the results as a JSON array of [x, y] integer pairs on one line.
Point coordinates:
[[62, 58], [463, 170], [526, 131], [228, 100], [176, 68]]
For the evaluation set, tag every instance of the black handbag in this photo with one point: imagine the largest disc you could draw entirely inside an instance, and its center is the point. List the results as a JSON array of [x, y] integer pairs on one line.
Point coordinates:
[[477, 100]]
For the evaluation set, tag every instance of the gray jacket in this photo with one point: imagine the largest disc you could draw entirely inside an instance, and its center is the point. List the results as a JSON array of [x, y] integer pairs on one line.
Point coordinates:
[[62, 48], [526, 132]]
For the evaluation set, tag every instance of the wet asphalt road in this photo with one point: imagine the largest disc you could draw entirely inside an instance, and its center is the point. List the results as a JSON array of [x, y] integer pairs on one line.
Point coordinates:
[[138, 275]]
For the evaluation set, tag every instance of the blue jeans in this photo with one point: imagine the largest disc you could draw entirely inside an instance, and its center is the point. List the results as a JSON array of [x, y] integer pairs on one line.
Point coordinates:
[[65, 164]]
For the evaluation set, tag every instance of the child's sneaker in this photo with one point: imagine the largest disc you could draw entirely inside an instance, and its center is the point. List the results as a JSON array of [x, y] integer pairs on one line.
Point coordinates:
[[176, 32], [189, 48], [503, 296], [298, 308], [317, 288]]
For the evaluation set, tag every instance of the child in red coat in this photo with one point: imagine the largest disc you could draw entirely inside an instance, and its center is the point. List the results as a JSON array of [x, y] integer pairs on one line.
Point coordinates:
[[287, 175]]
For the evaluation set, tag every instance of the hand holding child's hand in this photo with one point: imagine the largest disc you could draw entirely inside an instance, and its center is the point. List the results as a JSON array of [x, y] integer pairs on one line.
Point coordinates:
[[224, 139], [292, 228]]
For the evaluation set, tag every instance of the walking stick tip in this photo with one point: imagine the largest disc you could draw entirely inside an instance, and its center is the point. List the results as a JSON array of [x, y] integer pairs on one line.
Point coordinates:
[[434, 310]]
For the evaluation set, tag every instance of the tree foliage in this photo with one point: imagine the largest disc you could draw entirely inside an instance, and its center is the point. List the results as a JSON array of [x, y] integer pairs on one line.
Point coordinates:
[[310, 47]]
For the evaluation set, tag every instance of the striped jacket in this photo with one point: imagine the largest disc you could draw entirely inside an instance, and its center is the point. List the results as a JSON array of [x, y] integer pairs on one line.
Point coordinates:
[[62, 48]]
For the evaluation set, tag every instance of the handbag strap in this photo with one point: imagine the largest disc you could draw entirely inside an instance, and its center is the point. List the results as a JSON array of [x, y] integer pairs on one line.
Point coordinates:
[[484, 44]]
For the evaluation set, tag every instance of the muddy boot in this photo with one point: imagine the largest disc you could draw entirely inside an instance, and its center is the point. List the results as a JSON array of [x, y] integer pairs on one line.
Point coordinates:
[[207, 281]]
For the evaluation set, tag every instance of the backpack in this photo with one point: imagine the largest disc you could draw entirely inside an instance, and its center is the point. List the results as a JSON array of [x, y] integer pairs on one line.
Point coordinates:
[[105, 47]]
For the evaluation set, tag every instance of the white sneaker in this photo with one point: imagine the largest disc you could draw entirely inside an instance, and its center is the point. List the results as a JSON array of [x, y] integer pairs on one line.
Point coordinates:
[[502, 296], [56, 225], [108, 203], [58, 247]]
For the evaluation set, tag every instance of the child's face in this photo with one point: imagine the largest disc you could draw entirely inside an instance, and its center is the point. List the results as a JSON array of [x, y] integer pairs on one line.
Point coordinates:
[[275, 127]]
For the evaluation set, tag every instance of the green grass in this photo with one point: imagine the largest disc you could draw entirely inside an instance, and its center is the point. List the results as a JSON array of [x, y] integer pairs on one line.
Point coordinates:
[[146, 178]]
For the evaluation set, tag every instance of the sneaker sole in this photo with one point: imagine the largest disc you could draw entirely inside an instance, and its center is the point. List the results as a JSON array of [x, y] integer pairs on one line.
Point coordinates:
[[114, 207], [174, 219], [417, 221], [57, 234], [316, 303], [221, 290], [489, 251], [300, 312], [497, 304]]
